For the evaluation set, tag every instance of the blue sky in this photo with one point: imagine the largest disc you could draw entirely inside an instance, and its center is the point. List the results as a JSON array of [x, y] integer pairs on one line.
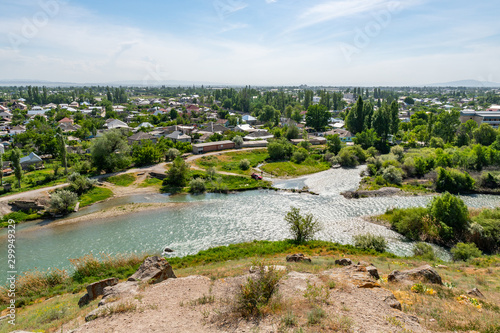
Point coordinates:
[[259, 42]]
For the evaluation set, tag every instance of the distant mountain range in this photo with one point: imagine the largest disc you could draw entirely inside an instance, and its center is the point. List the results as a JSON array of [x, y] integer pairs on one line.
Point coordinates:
[[176, 83], [131, 83], [467, 83]]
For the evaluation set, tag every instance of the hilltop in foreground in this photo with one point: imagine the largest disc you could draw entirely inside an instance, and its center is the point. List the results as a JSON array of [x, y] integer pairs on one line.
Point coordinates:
[[341, 290]]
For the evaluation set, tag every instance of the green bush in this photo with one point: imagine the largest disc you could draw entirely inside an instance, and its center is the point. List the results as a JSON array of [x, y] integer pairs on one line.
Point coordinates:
[[197, 185], [489, 180], [244, 164], [393, 175], [410, 222], [452, 212], [279, 150], [300, 155], [347, 158], [370, 242], [63, 201], [178, 174], [465, 251], [485, 231], [453, 181], [256, 293], [424, 250]]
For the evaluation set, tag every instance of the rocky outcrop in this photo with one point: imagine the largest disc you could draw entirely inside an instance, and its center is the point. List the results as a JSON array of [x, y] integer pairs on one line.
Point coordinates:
[[423, 273], [383, 192], [127, 288], [95, 290], [29, 204], [153, 270], [343, 262], [297, 257]]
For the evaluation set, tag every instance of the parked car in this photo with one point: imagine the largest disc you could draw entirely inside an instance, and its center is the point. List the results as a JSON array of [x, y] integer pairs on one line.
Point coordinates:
[[256, 176]]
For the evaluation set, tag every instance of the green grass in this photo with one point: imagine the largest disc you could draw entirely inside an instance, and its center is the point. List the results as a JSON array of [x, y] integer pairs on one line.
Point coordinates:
[[151, 181], [266, 248], [291, 169], [122, 180], [229, 162], [94, 195], [18, 217]]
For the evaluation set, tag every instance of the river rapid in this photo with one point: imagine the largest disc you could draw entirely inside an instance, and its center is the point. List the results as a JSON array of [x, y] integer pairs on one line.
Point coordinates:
[[203, 221]]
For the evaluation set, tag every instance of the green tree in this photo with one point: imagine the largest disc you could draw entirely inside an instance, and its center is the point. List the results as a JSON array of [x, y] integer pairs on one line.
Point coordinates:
[[317, 117], [447, 125], [366, 138], [1, 169], [110, 152], [485, 134], [382, 122], [16, 162], [173, 114], [394, 111], [178, 174], [145, 153], [334, 143], [64, 151], [302, 228], [355, 120], [280, 150], [296, 116], [292, 132]]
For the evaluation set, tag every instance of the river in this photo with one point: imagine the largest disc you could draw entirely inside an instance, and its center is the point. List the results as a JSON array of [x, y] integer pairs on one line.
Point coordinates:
[[204, 221]]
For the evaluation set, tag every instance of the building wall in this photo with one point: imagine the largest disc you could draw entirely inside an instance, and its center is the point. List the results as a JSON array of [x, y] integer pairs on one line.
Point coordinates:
[[214, 147]]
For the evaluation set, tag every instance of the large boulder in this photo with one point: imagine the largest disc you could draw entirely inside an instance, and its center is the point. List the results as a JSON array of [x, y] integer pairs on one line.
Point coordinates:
[[297, 257], [153, 270], [424, 273], [95, 290]]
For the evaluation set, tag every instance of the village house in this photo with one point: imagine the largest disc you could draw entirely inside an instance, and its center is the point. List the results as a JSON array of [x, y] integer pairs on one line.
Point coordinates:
[[66, 120], [344, 135], [139, 137], [32, 160], [201, 148], [177, 136]]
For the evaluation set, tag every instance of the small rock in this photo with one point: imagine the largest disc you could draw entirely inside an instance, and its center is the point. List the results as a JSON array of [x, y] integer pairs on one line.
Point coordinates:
[[343, 262], [476, 293], [426, 273], [372, 270], [297, 257], [168, 250], [393, 302]]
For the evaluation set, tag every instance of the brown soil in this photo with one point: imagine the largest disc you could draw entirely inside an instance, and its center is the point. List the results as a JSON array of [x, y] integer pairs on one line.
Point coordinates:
[[174, 306]]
